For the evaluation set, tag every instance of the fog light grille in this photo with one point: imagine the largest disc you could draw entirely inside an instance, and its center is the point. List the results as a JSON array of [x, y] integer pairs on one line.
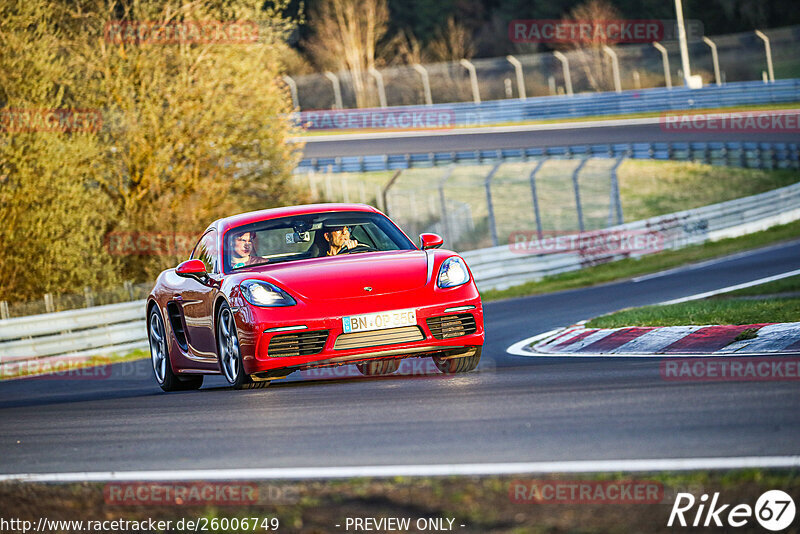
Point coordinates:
[[301, 344], [450, 326]]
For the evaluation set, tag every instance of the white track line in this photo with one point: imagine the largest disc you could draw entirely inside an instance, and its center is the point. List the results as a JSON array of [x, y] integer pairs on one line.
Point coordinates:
[[733, 288], [307, 473], [518, 349]]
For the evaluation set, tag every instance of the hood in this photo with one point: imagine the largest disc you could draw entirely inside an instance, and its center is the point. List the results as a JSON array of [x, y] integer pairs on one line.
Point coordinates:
[[346, 276]]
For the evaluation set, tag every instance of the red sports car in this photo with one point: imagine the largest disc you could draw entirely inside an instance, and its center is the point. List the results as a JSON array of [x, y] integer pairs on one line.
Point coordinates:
[[271, 292]]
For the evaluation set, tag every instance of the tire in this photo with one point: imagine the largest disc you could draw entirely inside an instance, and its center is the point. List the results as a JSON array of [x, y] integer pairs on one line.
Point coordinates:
[[461, 364], [230, 357], [378, 367], [159, 356]]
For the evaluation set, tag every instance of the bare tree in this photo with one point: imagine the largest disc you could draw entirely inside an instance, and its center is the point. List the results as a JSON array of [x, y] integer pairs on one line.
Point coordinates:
[[588, 50], [451, 43], [346, 37]]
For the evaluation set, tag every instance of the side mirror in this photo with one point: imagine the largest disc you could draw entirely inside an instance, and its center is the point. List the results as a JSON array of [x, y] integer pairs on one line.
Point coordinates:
[[427, 241], [192, 269]]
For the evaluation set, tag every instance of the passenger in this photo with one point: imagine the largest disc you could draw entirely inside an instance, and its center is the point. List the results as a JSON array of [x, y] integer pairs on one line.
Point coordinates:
[[244, 248]]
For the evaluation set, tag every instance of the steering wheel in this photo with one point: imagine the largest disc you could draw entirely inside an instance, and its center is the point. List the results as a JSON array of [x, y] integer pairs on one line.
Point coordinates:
[[361, 247]]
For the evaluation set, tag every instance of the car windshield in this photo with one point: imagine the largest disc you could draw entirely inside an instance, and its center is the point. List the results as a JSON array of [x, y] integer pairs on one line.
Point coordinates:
[[310, 236]]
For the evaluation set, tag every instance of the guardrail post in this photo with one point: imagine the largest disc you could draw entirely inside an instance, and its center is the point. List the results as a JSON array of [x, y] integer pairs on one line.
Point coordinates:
[[614, 67], [616, 200], [565, 68], [488, 184], [443, 203], [385, 193], [426, 83], [381, 88], [520, 76], [129, 288], [768, 50], [578, 193], [337, 89], [49, 307], [293, 89], [473, 79], [4, 310], [532, 179], [665, 61], [88, 296], [714, 58]]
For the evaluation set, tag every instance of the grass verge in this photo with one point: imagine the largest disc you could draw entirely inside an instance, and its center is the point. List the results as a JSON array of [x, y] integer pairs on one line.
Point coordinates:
[[68, 368], [631, 267], [704, 312]]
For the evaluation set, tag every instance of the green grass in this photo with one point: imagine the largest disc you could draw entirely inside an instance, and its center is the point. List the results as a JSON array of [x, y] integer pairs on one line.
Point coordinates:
[[36, 369], [628, 268], [704, 312]]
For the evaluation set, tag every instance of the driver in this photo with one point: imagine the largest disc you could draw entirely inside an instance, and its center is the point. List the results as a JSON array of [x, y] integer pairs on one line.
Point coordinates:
[[244, 246], [338, 238]]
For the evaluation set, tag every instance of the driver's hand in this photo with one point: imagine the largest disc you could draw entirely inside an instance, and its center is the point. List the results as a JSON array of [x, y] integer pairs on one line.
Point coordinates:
[[350, 243]]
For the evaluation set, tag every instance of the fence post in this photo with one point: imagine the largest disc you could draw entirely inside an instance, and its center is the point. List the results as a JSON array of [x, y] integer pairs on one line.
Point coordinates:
[[426, 83], [293, 89], [520, 76], [337, 89], [49, 307], [385, 193], [714, 58], [614, 67], [532, 179], [488, 184], [768, 50], [565, 67], [665, 60], [129, 288], [442, 203], [88, 296], [578, 193], [381, 88], [473, 78], [4, 310], [615, 200]]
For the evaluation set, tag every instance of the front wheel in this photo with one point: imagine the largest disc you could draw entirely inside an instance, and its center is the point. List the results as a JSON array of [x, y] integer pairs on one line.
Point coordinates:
[[459, 364], [159, 354], [230, 357]]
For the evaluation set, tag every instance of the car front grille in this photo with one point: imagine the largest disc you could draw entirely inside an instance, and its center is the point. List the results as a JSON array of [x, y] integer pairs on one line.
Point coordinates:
[[302, 344], [449, 326], [376, 338]]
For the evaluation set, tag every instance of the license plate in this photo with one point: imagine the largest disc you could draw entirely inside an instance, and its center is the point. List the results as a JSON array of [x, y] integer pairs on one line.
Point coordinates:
[[379, 321]]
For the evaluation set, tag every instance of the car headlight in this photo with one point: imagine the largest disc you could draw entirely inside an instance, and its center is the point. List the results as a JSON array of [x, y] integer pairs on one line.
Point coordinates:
[[260, 293], [453, 272]]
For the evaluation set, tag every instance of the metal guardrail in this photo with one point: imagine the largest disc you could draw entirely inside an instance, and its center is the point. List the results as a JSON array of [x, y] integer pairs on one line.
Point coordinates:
[[754, 155], [120, 327]]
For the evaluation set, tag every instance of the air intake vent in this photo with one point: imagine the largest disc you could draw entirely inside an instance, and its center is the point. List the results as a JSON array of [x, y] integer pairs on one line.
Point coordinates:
[[449, 326], [303, 344], [176, 322], [376, 338]]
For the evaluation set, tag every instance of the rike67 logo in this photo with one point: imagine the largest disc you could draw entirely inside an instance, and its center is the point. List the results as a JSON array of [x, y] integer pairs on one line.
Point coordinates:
[[774, 510]]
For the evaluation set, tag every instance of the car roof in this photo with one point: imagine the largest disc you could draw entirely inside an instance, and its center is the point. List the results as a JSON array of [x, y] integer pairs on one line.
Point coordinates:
[[286, 211]]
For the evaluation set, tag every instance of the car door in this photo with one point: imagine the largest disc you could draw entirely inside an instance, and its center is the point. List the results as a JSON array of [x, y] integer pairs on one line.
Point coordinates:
[[196, 299]]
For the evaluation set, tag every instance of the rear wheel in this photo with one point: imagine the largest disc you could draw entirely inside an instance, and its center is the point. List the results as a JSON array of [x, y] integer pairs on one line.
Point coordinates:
[[459, 364], [230, 357], [378, 367], [159, 354]]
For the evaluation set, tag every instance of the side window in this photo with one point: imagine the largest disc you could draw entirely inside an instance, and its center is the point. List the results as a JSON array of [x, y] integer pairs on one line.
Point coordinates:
[[206, 251]]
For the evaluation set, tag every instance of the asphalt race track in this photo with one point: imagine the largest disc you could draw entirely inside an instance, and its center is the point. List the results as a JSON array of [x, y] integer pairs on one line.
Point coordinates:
[[606, 132], [512, 409]]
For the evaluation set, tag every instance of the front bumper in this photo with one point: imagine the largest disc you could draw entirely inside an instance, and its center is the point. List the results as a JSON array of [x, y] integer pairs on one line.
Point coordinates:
[[327, 316]]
